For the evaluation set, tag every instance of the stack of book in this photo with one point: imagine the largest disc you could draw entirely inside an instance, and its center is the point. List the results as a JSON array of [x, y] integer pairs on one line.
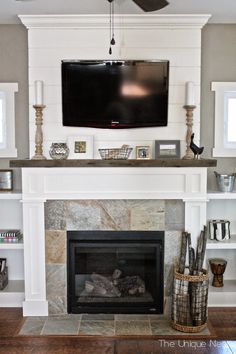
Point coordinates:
[[10, 236]]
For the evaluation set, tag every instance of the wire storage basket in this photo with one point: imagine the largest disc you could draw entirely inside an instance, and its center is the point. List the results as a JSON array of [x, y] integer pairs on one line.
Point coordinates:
[[189, 302], [115, 154]]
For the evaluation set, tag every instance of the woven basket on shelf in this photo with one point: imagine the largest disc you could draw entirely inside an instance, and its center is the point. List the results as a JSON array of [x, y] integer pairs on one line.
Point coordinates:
[[3, 276], [189, 302], [115, 154]]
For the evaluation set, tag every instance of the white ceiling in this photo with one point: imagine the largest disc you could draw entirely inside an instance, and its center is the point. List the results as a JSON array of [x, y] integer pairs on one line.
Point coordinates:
[[223, 11]]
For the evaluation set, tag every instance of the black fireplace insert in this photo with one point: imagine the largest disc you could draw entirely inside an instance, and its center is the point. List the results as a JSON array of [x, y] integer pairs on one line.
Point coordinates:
[[115, 271]]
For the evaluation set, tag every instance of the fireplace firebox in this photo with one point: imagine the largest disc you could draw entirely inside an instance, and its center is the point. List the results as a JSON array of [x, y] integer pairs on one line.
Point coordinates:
[[115, 271]]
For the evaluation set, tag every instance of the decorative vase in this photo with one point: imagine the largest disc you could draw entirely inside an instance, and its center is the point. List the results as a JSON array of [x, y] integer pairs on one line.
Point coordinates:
[[59, 151], [218, 266]]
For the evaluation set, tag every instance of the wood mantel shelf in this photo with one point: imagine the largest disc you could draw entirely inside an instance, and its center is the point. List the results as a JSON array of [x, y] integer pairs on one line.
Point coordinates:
[[114, 163]]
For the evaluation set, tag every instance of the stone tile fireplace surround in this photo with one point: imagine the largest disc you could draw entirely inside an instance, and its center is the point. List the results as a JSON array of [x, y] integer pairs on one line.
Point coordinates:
[[117, 215]]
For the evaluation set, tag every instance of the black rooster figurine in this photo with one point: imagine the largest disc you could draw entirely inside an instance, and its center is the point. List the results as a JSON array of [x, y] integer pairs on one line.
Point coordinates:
[[195, 149]]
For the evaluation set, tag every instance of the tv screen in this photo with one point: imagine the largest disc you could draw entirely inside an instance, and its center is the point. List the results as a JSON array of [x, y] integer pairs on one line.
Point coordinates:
[[115, 94]]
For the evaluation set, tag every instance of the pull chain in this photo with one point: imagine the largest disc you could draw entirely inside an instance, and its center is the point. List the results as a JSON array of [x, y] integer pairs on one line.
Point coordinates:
[[112, 26]]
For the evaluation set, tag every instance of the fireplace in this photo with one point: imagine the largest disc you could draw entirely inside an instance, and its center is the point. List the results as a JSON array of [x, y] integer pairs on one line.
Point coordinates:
[[115, 271]]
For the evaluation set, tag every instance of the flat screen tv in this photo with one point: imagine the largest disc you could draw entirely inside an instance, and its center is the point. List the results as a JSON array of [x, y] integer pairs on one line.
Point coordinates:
[[115, 94]]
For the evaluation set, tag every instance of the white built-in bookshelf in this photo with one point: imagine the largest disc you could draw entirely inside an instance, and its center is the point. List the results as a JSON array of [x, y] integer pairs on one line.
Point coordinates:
[[223, 206], [11, 218]]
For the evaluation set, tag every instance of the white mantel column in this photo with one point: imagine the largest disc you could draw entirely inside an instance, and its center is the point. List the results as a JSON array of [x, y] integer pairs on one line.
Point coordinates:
[[35, 303], [195, 218]]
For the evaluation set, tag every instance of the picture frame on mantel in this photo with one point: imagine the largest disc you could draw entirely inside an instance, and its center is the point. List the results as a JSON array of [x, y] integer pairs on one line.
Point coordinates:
[[143, 152], [167, 149], [81, 147]]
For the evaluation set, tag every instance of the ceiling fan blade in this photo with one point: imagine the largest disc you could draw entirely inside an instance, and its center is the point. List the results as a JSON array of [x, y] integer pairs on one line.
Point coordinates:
[[151, 5]]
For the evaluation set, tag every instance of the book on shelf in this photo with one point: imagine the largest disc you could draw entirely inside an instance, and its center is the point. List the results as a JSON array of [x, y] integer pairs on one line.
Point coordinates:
[[10, 236]]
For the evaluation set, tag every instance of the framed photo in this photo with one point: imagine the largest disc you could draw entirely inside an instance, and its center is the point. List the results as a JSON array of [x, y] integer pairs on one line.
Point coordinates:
[[6, 180], [81, 147], [167, 149], [143, 152]]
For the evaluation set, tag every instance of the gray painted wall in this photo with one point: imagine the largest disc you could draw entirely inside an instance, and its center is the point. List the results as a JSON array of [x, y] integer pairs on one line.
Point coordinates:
[[218, 64], [14, 68]]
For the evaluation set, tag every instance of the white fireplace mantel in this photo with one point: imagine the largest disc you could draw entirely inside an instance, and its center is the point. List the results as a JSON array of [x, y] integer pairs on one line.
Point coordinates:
[[42, 184]]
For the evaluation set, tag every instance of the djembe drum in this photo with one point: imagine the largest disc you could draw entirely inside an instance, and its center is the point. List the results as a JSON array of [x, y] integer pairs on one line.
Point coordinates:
[[218, 266]]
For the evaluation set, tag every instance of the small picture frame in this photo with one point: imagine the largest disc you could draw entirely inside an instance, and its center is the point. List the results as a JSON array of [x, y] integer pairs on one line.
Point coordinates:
[[143, 152], [6, 180], [167, 149], [81, 147]]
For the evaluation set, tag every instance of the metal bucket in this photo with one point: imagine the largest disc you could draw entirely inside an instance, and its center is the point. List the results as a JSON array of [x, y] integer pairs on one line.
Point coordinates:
[[225, 182]]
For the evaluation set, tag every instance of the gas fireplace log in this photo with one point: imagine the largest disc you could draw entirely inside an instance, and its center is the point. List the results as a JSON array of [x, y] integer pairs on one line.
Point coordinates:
[[131, 285], [116, 274], [103, 282], [89, 286], [95, 290]]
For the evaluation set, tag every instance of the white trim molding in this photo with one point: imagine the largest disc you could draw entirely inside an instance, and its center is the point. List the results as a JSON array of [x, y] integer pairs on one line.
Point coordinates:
[[144, 21], [221, 148], [8, 148]]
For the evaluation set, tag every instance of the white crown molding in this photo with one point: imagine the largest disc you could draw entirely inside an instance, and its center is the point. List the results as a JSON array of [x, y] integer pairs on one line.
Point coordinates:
[[145, 21]]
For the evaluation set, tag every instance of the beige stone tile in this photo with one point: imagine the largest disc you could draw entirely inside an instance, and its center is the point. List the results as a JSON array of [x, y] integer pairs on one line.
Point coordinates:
[[132, 328], [147, 215], [55, 215], [172, 246], [61, 326], [83, 215], [57, 305], [56, 280], [174, 215], [103, 328], [115, 215], [163, 328], [32, 327], [55, 247]]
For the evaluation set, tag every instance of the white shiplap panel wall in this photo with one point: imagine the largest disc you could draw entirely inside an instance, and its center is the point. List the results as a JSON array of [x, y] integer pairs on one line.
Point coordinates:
[[173, 38]]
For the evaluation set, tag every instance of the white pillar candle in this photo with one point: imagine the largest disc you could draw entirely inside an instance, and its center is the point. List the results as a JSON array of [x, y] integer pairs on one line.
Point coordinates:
[[190, 94], [38, 85]]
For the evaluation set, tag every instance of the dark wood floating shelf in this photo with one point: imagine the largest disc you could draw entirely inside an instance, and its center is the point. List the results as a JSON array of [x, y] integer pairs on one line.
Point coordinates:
[[114, 163]]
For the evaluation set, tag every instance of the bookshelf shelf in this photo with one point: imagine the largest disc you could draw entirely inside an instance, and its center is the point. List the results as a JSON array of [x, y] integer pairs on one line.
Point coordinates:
[[225, 296], [227, 244], [14, 195], [13, 295], [11, 246]]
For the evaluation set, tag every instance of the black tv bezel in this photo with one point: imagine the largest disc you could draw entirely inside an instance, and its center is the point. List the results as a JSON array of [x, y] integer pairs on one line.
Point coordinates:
[[103, 61]]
